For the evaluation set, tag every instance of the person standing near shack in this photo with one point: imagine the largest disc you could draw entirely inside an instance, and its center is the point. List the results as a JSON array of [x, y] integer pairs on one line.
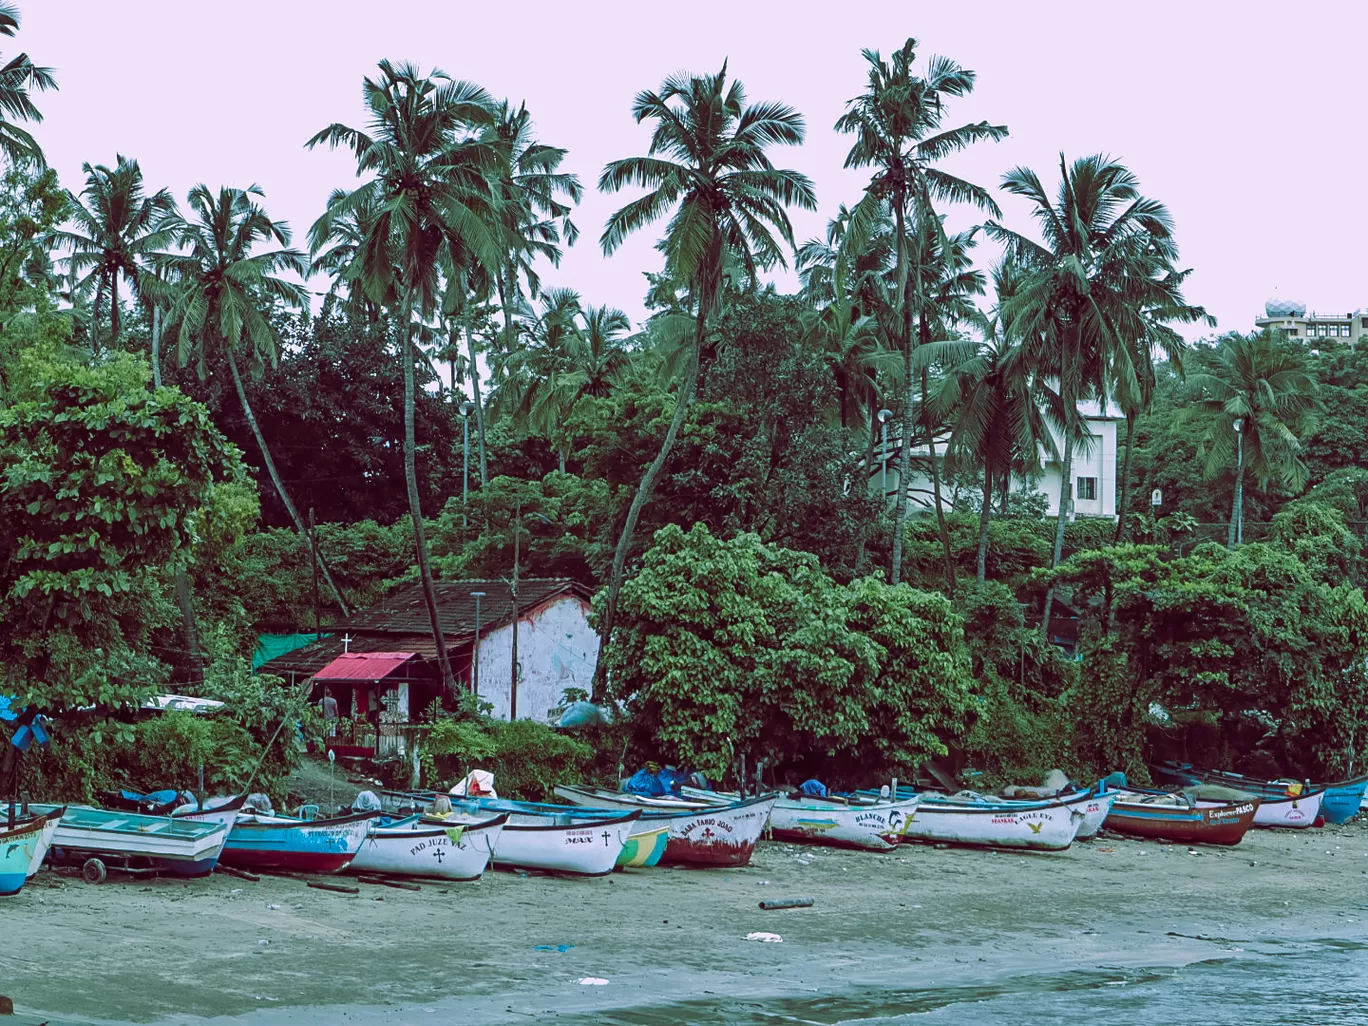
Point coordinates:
[[330, 712]]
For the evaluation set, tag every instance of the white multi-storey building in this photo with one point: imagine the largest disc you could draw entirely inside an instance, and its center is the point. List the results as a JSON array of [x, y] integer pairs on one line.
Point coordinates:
[[1095, 487], [1292, 318]]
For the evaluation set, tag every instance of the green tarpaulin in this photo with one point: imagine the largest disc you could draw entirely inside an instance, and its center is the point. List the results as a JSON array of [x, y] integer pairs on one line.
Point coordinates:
[[271, 645]]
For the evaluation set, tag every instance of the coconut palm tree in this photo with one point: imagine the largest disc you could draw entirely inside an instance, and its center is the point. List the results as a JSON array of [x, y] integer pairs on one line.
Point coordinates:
[[341, 255], [989, 397], [1257, 397], [945, 285], [223, 288], [898, 127], [429, 170], [115, 231], [18, 78], [533, 199], [708, 169], [1079, 296], [1146, 329]]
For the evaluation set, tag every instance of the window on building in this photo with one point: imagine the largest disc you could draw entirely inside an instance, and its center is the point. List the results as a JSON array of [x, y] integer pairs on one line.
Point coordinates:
[[1087, 488], [1292, 331]]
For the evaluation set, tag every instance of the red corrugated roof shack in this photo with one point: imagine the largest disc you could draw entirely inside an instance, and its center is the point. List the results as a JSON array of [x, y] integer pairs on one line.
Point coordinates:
[[372, 689], [557, 648]]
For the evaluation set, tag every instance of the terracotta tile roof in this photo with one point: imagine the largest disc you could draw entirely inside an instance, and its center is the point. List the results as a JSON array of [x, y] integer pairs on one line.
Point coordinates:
[[405, 612], [400, 623], [363, 666]]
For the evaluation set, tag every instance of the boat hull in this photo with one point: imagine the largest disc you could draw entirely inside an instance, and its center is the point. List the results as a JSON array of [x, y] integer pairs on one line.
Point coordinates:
[[1030, 826], [1095, 809], [701, 834], [1343, 800], [22, 851], [1221, 824], [1286, 813], [430, 849], [301, 846], [877, 826], [582, 847], [150, 840], [645, 846]]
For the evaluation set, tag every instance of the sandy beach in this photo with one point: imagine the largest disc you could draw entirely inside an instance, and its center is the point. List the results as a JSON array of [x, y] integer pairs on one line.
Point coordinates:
[[514, 948]]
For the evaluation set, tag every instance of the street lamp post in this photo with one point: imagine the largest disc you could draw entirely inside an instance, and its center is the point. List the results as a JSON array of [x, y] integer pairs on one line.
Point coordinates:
[[884, 417], [475, 647], [466, 408]]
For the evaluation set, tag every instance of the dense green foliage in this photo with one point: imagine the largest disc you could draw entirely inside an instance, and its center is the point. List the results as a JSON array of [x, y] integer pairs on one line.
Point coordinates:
[[738, 648], [172, 408]]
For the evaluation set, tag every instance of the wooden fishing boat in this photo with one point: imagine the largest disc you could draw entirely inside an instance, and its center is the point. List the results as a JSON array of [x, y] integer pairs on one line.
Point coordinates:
[[866, 821], [646, 845], [1092, 803], [224, 811], [23, 848], [300, 845], [580, 843], [1288, 812], [1340, 800], [1046, 825], [133, 841], [700, 834], [443, 849], [1172, 817]]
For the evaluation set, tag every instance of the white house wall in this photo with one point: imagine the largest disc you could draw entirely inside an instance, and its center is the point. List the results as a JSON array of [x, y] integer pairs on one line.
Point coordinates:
[[556, 650], [1099, 461]]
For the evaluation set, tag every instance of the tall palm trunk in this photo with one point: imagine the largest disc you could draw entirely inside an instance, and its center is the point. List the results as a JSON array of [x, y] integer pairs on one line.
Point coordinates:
[[1236, 502], [156, 347], [479, 404], [905, 458], [280, 485], [415, 505], [1125, 480], [115, 322], [924, 336], [1066, 478], [95, 317], [683, 399], [984, 516]]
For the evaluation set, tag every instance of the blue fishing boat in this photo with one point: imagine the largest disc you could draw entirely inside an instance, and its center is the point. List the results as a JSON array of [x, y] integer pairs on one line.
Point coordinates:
[[22, 849], [301, 845]]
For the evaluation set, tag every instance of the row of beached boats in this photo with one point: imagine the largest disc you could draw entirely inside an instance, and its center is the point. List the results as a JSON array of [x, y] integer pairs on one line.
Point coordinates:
[[457, 836]]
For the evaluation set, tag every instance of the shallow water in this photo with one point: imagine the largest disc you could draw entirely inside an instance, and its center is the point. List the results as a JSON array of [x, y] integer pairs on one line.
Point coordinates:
[[1317, 983]]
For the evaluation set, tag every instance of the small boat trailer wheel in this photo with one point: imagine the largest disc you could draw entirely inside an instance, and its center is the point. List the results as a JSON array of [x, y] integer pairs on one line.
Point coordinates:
[[93, 871]]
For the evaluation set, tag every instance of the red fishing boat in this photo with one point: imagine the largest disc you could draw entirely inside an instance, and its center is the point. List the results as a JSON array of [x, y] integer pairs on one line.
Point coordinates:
[[1173, 818]]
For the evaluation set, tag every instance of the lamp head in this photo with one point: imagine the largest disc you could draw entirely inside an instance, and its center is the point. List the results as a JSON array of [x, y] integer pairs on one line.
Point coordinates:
[[466, 408], [885, 416]]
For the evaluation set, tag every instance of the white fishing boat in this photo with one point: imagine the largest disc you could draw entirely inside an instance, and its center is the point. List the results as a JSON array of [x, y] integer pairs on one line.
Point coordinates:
[[1034, 826], [443, 849], [128, 833], [1095, 808], [714, 833], [1287, 812], [602, 798], [587, 845], [868, 823]]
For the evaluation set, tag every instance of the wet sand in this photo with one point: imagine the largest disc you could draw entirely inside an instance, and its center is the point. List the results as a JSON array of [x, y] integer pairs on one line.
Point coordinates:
[[487, 952]]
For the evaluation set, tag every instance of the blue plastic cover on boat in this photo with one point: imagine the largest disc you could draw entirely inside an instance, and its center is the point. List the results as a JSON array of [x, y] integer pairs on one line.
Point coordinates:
[[814, 787], [645, 783], [672, 779]]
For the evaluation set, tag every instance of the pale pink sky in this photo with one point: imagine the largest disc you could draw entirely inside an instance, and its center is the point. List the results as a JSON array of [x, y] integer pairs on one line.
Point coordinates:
[[1245, 118]]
